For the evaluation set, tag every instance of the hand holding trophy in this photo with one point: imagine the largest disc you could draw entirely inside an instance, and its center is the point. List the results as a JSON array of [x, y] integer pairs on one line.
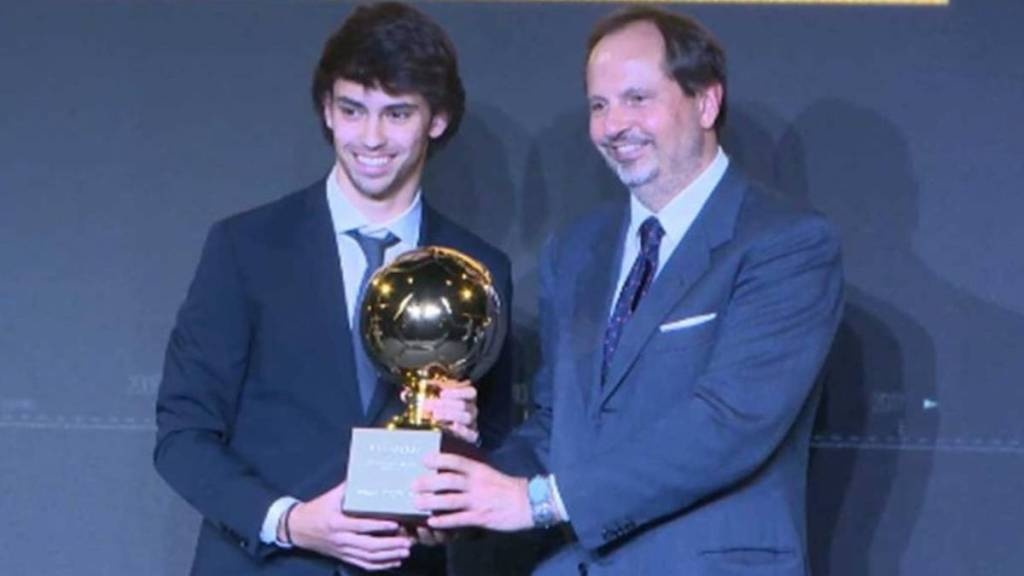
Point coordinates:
[[431, 314]]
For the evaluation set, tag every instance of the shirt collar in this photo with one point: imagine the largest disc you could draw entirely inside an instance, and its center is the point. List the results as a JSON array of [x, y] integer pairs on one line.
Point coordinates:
[[677, 216], [346, 217]]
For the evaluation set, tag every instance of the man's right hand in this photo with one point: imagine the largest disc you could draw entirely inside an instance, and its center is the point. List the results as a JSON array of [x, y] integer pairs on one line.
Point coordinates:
[[321, 526]]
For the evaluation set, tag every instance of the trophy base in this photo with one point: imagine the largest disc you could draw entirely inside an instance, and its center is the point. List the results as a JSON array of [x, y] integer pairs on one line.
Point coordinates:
[[382, 466]]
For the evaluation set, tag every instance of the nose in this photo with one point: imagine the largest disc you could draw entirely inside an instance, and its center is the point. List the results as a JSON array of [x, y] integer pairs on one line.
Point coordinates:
[[373, 135], [615, 121]]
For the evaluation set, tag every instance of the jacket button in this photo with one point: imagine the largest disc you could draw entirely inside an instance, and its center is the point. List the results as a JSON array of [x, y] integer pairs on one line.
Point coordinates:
[[582, 568]]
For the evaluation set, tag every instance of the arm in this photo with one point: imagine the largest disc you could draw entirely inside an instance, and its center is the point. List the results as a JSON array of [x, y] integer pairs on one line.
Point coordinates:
[[204, 374], [204, 369], [495, 389], [525, 450], [776, 330]]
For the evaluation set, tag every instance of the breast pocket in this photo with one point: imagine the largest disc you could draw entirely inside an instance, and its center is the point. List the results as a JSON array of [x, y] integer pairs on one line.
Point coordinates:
[[683, 337]]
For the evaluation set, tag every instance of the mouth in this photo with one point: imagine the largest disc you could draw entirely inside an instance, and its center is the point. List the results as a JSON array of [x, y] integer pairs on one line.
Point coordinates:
[[372, 164], [626, 151]]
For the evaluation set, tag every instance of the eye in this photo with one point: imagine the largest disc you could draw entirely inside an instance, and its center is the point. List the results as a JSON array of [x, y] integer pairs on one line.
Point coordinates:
[[400, 114], [637, 99], [348, 111], [597, 106]]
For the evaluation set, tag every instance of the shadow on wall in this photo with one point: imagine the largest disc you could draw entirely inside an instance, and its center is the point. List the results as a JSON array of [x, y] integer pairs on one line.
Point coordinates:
[[881, 369], [912, 352]]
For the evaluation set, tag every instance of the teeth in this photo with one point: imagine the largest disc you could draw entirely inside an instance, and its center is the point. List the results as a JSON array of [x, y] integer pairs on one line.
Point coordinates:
[[372, 160], [627, 150]]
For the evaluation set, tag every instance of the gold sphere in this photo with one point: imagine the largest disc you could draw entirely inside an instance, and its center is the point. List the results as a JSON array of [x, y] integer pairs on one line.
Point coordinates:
[[433, 312]]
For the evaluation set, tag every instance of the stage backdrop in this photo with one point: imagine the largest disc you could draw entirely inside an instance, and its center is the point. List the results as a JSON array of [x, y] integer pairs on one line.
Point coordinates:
[[127, 128]]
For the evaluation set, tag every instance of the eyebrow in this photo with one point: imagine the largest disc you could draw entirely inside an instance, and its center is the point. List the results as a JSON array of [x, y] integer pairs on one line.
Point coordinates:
[[396, 107], [349, 102], [400, 107]]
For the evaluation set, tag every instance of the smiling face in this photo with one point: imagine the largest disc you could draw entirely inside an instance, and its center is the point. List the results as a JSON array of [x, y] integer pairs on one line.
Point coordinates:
[[654, 136], [380, 141]]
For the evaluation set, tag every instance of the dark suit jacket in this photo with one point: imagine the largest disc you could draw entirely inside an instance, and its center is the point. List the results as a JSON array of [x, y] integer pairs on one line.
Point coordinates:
[[259, 393], [691, 457]]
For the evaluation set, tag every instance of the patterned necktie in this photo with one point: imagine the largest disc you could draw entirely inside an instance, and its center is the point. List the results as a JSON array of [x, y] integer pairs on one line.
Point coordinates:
[[633, 290], [366, 373]]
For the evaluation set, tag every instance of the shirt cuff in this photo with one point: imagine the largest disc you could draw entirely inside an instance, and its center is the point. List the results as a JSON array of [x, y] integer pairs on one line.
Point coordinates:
[[268, 533], [563, 514]]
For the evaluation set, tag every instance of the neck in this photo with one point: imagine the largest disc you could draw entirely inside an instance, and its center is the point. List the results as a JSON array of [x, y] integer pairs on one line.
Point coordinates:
[[379, 209], [661, 191]]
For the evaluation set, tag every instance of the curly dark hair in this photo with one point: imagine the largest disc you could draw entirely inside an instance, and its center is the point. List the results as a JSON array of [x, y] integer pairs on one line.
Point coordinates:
[[399, 49], [693, 56]]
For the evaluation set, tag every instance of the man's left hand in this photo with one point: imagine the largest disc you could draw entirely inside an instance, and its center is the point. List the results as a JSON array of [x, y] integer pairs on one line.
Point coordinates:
[[465, 493]]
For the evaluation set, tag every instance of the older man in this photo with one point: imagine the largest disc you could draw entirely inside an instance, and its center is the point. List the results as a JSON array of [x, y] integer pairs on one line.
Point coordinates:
[[677, 391]]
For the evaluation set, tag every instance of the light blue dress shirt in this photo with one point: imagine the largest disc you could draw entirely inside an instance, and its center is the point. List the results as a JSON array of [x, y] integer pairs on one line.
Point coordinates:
[[346, 218]]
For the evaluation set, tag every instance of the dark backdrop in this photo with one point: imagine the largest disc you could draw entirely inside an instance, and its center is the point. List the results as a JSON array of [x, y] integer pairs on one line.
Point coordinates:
[[127, 128]]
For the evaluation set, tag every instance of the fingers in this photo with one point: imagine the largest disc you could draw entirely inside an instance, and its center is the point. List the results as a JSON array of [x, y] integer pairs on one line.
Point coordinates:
[[372, 566], [443, 482], [443, 502], [454, 520], [452, 462], [429, 537], [343, 523], [372, 560], [451, 411], [463, 392], [464, 433], [371, 547], [446, 385], [372, 552]]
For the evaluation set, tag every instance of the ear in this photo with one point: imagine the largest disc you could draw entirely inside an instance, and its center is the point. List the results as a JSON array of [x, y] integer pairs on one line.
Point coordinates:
[[710, 101], [438, 124], [326, 111]]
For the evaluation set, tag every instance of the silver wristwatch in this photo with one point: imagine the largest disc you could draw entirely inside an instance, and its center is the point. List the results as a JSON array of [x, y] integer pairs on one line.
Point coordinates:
[[542, 505]]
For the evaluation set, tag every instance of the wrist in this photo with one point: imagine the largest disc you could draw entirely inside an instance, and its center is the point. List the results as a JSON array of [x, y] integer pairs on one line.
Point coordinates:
[[543, 510], [271, 532], [284, 526]]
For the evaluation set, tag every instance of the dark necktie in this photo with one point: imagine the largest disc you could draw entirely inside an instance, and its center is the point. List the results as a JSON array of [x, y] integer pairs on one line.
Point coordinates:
[[637, 283], [366, 373]]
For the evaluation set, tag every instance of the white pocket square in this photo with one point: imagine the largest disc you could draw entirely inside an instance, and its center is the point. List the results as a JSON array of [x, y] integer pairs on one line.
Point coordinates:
[[687, 322]]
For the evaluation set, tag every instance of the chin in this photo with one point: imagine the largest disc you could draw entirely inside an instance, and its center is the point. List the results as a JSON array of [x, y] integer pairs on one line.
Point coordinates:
[[636, 179]]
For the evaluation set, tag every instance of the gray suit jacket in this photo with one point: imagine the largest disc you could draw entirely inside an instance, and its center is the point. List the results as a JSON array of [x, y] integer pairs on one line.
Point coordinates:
[[691, 457]]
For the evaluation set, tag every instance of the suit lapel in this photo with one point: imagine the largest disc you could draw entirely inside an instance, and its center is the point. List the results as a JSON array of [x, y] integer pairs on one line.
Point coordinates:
[[594, 291], [318, 254], [690, 260]]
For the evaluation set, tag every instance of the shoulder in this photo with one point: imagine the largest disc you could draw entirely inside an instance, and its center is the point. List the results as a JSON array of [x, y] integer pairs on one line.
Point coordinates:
[[766, 214], [448, 233], [773, 228], [583, 234], [283, 211]]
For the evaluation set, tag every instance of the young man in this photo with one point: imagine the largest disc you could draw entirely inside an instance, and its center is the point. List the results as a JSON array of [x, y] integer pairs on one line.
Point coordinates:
[[264, 377], [677, 392]]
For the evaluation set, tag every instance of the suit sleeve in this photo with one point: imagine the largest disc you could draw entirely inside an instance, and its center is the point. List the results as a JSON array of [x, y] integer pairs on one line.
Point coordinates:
[[204, 371], [495, 399], [526, 450], [775, 331]]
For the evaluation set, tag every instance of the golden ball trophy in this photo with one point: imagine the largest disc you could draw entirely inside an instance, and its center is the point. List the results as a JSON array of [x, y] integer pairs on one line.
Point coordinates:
[[433, 313]]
